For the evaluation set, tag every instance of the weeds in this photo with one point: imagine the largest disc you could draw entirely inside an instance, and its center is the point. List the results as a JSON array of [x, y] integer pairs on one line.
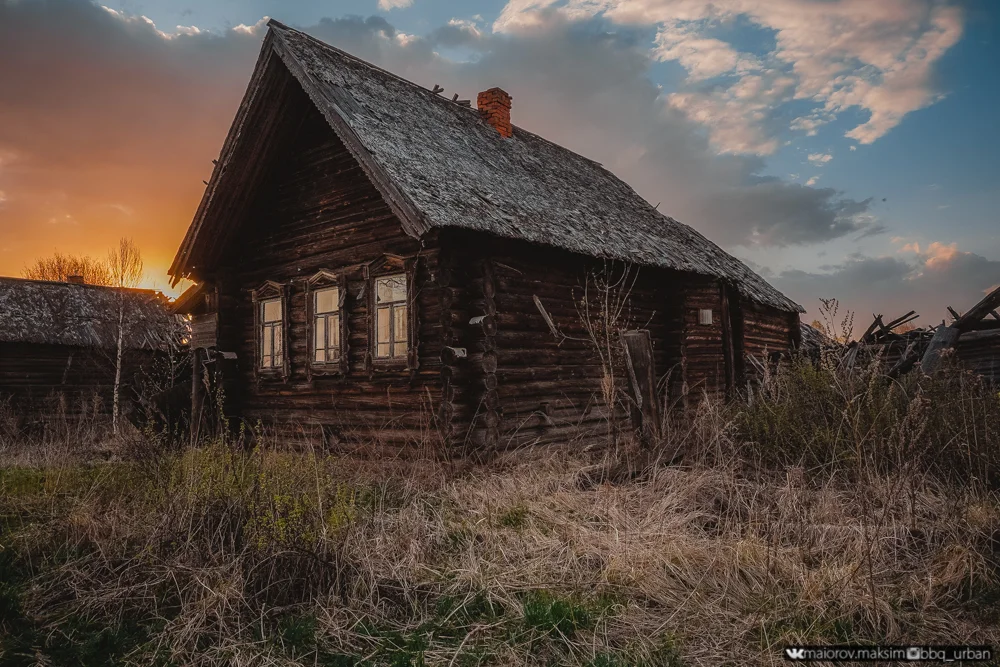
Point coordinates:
[[830, 509]]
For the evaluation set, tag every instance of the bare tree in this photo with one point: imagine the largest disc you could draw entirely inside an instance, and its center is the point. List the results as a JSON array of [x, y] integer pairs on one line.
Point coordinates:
[[60, 267], [124, 267]]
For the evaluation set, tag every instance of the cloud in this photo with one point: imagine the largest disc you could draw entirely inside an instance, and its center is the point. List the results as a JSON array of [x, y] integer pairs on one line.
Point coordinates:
[[386, 5], [737, 117], [928, 279], [812, 180], [702, 57], [877, 57], [819, 159], [98, 106]]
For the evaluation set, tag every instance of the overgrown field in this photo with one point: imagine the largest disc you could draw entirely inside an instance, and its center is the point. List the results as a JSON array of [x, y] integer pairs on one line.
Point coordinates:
[[831, 508]]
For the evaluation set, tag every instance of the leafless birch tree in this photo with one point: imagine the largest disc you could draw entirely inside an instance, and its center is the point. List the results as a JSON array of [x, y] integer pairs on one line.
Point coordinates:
[[124, 266]]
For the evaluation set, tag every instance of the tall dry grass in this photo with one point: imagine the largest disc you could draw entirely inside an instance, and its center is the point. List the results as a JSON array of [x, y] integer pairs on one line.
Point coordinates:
[[787, 520]]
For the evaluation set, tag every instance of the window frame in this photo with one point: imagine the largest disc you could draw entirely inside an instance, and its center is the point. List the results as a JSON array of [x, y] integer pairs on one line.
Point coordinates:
[[325, 279], [391, 307], [267, 292], [384, 267]]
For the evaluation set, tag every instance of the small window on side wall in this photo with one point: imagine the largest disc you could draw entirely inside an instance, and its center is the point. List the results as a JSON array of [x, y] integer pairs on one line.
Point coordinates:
[[272, 344], [391, 317], [326, 325], [270, 319], [326, 294]]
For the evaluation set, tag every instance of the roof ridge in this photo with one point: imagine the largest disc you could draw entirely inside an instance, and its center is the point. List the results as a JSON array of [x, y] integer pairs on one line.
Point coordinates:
[[431, 94], [36, 281]]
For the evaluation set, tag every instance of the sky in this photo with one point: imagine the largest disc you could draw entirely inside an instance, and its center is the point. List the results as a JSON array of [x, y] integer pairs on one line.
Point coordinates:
[[844, 149]]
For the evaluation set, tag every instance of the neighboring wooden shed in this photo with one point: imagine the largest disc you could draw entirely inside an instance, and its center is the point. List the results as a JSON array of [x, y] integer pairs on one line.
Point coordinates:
[[58, 344], [387, 263]]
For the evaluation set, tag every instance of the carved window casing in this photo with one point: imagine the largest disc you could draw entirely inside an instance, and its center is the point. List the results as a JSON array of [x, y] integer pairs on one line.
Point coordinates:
[[326, 295], [270, 303], [392, 315], [392, 330]]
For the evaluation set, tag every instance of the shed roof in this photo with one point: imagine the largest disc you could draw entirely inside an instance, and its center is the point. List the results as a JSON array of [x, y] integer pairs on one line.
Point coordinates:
[[58, 313], [440, 165]]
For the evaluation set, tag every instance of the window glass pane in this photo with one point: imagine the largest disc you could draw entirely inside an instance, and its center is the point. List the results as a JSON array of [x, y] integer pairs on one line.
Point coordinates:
[[327, 299], [266, 342], [390, 288], [277, 344], [382, 350], [321, 355], [333, 329], [383, 290], [320, 333], [399, 325], [266, 361], [272, 310], [382, 325]]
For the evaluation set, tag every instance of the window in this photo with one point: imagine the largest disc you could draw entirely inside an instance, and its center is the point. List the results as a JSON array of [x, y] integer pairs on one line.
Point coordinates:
[[271, 329], [326, 325], [705, 316], [391, 317]]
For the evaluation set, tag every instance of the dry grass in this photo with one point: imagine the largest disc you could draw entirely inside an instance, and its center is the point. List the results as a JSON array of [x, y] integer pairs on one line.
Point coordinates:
[[222, 557]]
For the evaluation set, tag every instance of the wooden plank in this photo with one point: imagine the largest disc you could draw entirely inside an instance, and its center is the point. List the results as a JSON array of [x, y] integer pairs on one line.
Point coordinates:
[[642, 375], [944, 338]]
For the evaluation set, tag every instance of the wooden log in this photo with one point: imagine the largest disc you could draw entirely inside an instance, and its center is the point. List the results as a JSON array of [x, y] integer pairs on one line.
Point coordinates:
[[944, 339]]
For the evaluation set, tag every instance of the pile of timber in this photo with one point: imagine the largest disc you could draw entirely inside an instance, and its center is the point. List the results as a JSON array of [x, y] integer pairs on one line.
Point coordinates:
[[973, 338]]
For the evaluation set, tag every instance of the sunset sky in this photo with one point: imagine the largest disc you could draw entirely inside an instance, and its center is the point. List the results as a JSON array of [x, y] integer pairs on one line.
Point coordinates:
[[844, 148]]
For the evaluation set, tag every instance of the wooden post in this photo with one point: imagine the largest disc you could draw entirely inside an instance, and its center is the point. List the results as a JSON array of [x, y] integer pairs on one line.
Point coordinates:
[[197, 396], [491, 399], [642, 376], [727, 340]]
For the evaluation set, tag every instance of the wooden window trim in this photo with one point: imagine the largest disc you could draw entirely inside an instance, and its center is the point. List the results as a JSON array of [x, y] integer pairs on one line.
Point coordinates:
[[322, 279], [388, 265], [266, 292]]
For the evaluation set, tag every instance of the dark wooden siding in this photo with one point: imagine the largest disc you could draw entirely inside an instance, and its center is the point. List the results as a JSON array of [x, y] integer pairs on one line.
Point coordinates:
[[768, 332], [43, 381], [318, 210], [979, 351], [521, 380], [703, 354]]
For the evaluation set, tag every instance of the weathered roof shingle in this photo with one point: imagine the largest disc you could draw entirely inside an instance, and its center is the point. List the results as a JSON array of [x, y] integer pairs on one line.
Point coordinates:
[[452, 169], [58, 313]]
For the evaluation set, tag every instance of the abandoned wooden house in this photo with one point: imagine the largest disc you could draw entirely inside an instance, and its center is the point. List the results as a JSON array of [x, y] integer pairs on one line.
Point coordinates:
[[59, 342], [386, 262], [973, 338]]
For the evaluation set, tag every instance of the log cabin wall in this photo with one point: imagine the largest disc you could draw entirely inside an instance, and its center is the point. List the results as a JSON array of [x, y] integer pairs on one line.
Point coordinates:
[[42, 382], [318, 210], [768, 332], [524, 384], [703, 351], [979, 351]]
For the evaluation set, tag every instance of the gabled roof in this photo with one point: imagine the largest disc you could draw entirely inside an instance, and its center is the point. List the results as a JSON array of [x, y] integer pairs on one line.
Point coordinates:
[[57, 313], [439, 165]]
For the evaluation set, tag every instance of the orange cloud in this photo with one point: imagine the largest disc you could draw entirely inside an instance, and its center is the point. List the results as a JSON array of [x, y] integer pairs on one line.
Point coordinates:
[[939, 255]]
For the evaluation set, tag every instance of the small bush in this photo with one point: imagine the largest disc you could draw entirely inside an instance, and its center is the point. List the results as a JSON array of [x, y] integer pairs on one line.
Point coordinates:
[[824, 418]]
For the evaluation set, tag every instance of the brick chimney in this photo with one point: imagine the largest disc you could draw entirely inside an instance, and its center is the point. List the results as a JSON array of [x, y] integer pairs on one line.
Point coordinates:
[[76, 279], [494, 107]]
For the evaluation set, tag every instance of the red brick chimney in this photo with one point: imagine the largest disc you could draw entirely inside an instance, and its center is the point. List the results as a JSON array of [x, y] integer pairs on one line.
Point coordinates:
[[494, 107]]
